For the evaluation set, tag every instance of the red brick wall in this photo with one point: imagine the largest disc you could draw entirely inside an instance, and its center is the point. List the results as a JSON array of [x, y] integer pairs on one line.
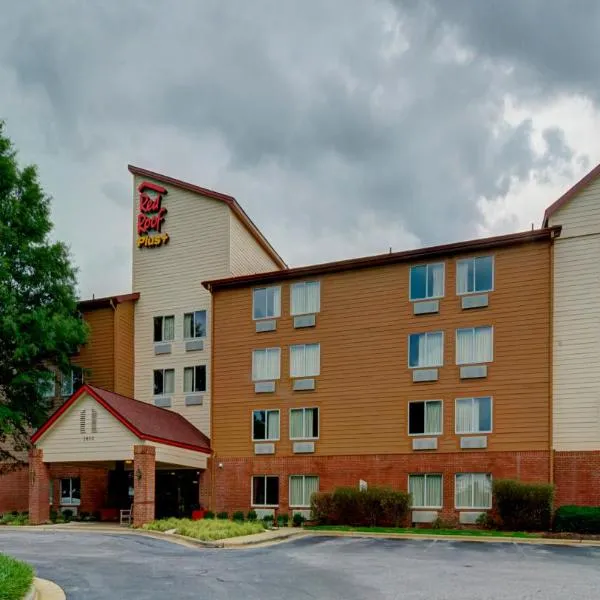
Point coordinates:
[[144, 467], [577, 478], [14, 491], [94, 485]]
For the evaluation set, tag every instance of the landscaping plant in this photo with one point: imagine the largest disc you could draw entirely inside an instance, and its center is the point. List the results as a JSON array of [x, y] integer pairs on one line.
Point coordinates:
[[523, 506], [238, 515], [578, 519], [209, 514], [16, 578], [251, 516], [213, 529], [298, 520], [223, 515]]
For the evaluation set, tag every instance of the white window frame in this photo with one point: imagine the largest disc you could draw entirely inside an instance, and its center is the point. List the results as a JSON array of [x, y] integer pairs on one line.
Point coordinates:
[[473, 329], [305, 505], [266, 410], [195, 391], [473, 398], [162, 329], [71, 501], [303, 284], [71, 379], [254, 379], [304, 409], [264, 476], [163, 393], [426, 333], [277, 309], [427, 265], [472, 259], [441, 432], [426, 475], [303, 347], [193, 313], [489, 475]]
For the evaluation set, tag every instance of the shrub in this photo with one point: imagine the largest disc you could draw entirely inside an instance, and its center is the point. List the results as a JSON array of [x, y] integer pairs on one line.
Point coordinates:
[[395, 507], [14, 518], [321, 508], [268, 520], [283, 520], [298, 520], [238, 515], [209, 514], [251, 516], [578, 519], [487, 521], [223, 515], [523, 506], [205, 530], [441, 523], [67, 514]]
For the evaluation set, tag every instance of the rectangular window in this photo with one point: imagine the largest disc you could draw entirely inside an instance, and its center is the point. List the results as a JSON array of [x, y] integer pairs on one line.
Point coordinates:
[[425, 490], [302, 487], [266, 303], [164, 329], [164, 381], [305, 360], [473, 490], [304, 423], [425, 418], [194, 379], [47, 385], [306, 298], [474, 345], [474, 275], [426, 281], [425, 350], [194, 325], [70, 491], [51, 492], [265, 364], [265, 490], [474, 415], [265, 425], [71, 382]]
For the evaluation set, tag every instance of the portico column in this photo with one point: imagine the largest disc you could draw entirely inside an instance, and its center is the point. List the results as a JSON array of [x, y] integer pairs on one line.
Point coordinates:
[[144, 464], [39, 488]]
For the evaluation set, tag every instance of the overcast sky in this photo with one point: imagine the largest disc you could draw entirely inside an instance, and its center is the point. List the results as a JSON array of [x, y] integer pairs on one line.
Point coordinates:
[[343, 127]]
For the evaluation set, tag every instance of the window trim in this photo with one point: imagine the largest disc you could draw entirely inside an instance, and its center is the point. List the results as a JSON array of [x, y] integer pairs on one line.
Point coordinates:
[[163, 393], [426, 475], [472, 258], [302, 506], [462, 364], [303, 283], [425, 434], [427, 265], [278, 348], [304, 408], [193, 313], [303, 346], [474, 508], [264, 476], [162, 329], [265, 410], [427, 366], [278, 311], [194, 367], [491, 430]]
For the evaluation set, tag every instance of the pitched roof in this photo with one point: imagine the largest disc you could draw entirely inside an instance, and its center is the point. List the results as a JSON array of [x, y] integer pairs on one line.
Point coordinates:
[[386, 259], [571, 193], [239, 212], [146, 421], [95, 303]]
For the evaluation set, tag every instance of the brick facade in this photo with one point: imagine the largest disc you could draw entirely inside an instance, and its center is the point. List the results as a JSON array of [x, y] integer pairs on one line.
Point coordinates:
[[14, 491], [577, 478], [144, 465], [39, 485], [94, 485]]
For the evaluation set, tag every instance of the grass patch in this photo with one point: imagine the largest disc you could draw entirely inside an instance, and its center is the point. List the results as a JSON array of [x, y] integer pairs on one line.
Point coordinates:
[[16, 578], [14, 519], [207, 529], [461, 532]]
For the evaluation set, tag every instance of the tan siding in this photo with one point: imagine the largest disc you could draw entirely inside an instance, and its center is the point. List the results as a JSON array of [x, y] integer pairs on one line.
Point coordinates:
[[179, 456], [580, 216], [124, 349], [365, 383], [246, 255]]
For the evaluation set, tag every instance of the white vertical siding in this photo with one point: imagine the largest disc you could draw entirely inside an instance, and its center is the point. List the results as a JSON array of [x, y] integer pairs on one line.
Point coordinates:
[[246, 255]]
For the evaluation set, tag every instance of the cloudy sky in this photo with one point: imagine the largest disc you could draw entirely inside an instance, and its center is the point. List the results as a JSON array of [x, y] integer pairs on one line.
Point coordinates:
[[343, 127]]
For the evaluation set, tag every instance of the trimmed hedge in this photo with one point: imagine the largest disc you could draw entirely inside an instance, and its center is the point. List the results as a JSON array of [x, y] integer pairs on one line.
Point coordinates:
[[578, 519], [523, 506], [350, 506]]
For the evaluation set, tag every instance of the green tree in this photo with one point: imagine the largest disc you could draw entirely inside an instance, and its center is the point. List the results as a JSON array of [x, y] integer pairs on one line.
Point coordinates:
[[40, 327]]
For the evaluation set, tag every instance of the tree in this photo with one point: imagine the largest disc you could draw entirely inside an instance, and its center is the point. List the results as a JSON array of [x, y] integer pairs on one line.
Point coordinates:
[[40, 327]]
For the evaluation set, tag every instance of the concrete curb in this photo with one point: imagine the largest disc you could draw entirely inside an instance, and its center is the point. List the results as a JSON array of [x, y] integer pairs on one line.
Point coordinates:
[[48, 590], [31, 594]]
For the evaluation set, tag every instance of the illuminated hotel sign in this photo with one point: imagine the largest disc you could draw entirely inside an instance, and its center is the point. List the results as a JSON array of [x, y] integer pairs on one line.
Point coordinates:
[[151, 216]]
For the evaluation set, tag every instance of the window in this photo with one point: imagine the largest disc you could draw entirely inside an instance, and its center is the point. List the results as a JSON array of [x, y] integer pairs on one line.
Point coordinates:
[[194, 325], [265, 364], [302, 487], [266, 303], [265, 425], [473, 490], [164, 329], [304, 423], [47, 385], [265, 490], [164, 381], [425, 490], [71, 382], [475, 275], [474, 415], [51, 492], [194, 379], [306, 298], [474, 345], [427, 281], [425, 350], [70, 491], [305, 360], [425, 418]]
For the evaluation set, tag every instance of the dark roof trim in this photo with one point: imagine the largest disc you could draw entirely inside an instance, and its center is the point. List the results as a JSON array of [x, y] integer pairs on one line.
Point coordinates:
[[387, 259], [229, 200], [107, 302], [571, 193]]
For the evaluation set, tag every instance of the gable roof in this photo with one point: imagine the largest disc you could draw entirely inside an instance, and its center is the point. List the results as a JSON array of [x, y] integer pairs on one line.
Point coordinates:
[[146, 421], [230, 201], [571, 193]]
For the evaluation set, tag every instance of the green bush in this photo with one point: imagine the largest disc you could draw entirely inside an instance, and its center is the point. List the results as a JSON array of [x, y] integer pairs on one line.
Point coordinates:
[[283, 520], [523, 506], [238, 515], [251, 516], [268, 519], [322, 508], [223, 515], [67, 514], [16, 577], [578, 519], [209, 514], [298, 520], [395, 505], [14, 518]]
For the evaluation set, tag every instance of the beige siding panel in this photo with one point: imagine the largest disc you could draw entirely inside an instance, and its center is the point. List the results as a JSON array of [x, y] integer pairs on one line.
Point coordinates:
[[246, 255], [179, 456], [580, 216]]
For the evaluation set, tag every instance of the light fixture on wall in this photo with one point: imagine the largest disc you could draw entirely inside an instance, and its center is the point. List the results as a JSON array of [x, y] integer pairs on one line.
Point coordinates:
[[220, 465]]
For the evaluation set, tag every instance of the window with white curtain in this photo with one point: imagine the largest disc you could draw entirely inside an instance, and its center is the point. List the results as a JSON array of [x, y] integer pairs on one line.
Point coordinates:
[[425, 418], [302, 487], [305, 360], [473, 490], [164, 381], [304, 423], [266, 303], [474, 345], [474, 415], [265, 425], [425, 490], [194, 325], [475, 275], [427, 281], [425, 350], [305, 298], [194, 379], [164, 329], [265, 364]]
